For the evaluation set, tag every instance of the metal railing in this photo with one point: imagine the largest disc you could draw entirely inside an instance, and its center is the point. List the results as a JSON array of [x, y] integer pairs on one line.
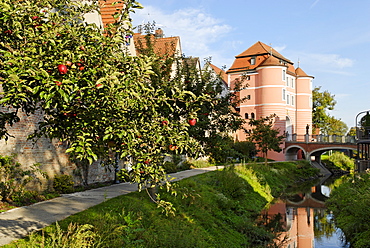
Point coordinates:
[[320, 138]]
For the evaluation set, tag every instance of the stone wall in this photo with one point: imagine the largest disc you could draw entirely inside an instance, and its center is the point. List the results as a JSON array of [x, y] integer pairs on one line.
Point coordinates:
[[49, 154]]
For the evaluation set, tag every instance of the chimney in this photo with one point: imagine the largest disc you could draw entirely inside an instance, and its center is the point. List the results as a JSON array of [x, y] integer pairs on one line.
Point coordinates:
[[159, 33]]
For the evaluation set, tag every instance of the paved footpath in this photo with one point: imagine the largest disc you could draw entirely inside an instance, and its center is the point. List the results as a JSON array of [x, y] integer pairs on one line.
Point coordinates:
[[19, 222]]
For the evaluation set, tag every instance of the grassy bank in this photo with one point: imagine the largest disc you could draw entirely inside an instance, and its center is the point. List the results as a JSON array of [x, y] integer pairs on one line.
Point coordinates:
[[216, 209], [350, 205]]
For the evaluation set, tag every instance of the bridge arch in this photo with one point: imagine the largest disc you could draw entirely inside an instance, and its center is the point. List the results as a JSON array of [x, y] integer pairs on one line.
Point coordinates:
[[317, 152], [291, 152]]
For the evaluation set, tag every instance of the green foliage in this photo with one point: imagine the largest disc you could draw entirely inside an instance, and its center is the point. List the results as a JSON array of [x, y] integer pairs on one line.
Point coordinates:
[[103, 102], [341, 161], [76, 236], [334, 127], [170, 167], [265, 136], [215, 116], [349, 203], [216, 209], [13, 178], [246, 149], [321, 103], [63, 183]]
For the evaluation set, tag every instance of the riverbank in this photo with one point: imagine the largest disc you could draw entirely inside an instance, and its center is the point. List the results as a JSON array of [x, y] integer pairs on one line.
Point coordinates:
[[349, 203], [215, 209]]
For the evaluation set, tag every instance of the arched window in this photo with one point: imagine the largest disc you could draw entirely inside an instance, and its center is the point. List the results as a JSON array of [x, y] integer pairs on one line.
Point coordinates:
[[252, 115], [246, 116]]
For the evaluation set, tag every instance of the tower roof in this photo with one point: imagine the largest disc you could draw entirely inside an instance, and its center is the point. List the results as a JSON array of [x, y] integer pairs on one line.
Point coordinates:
[[257, 55], [260, 48], [300, 73]]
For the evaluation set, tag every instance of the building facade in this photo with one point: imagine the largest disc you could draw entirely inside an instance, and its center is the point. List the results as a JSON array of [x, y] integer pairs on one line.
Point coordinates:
[[272, 85]]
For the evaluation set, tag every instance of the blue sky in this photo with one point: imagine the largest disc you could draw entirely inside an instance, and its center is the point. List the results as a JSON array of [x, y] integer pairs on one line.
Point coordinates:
[[330, 38]]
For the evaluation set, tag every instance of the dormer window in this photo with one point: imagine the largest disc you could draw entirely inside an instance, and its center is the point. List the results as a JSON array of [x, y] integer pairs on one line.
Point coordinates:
[[253, 60]]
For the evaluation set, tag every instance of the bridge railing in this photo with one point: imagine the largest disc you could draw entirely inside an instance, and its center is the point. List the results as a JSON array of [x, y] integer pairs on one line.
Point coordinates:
[[320, 138]]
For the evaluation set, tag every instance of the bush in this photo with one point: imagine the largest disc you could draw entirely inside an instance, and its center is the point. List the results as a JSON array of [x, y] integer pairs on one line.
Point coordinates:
[[13, 178], [63, 184], [246, 149], [170, 167], [342, 161]]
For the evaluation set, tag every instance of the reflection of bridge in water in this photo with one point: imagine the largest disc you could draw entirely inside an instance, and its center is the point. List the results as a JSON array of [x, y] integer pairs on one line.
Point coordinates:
[[310, 147]]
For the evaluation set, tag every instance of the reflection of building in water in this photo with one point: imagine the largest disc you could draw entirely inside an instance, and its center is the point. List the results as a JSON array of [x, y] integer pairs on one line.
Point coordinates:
[[298, 218]]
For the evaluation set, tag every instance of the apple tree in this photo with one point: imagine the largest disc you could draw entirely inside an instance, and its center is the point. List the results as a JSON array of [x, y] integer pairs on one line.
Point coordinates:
[[94, 97], [216, 117]]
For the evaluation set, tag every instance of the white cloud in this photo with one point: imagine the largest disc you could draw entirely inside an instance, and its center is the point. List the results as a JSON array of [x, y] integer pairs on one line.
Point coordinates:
[[197, 29], [279, 48], [314, 4]]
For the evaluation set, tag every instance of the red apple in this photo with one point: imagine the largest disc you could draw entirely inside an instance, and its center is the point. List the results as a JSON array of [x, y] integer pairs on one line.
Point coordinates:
[[62, 69], [81, 68], [35, 17], [172, 147], [146, 162], [82, 48], [98, 86], [164, 123], [58, 83], [192, 122]]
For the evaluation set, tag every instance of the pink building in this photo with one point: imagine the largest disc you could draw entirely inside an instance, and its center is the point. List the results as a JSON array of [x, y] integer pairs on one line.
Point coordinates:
[[272, 85]]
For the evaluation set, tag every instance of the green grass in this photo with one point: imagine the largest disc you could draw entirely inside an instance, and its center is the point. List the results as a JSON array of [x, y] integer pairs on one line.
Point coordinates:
[[216, 209], [349, 203]]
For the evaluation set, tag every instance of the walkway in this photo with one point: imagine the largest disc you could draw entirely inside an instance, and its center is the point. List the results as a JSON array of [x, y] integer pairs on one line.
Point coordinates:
[[19, 222]]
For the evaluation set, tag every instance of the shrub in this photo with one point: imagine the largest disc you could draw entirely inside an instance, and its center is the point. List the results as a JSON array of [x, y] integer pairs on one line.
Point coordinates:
[[246, 149], [63, 183], [342, 161], [13, 178], [170, 167]]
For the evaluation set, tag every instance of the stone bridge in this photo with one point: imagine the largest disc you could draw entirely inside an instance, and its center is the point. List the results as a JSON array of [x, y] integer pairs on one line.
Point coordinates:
[[308, 146]]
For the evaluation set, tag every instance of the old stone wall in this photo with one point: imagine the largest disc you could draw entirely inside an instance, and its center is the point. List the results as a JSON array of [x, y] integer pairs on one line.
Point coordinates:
[[49, 154]]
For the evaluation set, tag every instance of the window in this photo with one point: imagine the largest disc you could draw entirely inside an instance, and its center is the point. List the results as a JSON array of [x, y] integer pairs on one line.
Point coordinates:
[[293, 83], [287, 81], [248, 77], [287, 99], [284, 75], [252, 115], [253, 60], [284, 94], [248, 97], [292, 100], [246, 116]]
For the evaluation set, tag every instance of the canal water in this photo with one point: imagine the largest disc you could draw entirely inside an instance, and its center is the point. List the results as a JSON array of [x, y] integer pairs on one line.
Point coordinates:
[[305, 219]]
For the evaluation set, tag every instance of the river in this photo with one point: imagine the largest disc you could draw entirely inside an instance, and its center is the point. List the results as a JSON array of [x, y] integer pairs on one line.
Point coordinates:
[[304, 218]]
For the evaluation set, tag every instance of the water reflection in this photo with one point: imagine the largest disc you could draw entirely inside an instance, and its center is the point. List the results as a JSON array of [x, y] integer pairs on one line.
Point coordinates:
[[305, 220]]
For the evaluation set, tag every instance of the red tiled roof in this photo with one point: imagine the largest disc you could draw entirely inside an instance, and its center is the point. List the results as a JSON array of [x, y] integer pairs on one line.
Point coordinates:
[[271, 61], [301, 73], [260, 48], [261, 52], [107, 10], [162, 46], [220, 72]]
